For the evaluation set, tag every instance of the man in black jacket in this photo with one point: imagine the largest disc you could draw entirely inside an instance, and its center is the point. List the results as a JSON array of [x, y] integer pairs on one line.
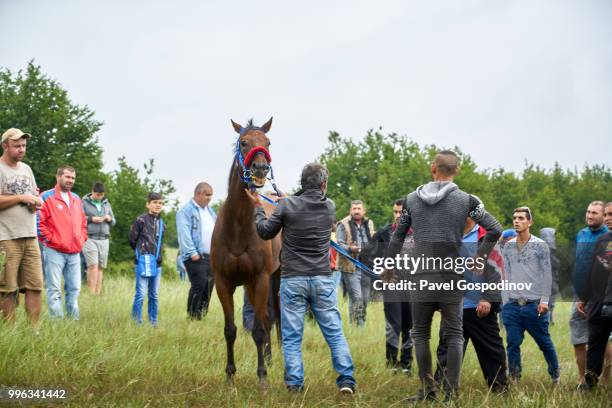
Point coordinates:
[[398, 316], [306, 220], [597, 295], [437, 212]]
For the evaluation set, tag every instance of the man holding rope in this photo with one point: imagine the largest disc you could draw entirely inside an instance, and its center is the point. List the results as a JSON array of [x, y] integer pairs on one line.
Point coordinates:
[[306, 220]]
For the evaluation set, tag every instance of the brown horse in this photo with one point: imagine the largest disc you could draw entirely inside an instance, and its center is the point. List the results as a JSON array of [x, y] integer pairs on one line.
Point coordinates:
[[238, 256]]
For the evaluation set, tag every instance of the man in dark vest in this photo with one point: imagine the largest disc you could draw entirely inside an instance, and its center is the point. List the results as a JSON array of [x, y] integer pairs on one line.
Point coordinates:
[[352, 234]]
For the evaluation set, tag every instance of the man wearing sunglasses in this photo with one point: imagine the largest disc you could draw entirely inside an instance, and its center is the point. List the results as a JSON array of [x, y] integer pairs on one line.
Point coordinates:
[[527, 263]]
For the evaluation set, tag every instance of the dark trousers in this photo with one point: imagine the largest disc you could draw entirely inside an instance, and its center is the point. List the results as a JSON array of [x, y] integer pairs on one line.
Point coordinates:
[[422, 315], [489, 346], [248, 312], [599, 331], [398, 320], [202, 283]]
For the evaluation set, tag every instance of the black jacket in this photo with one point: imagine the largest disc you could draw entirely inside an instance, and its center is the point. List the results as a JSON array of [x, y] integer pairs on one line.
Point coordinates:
[[598, 288], [376, 246], [306, 221], [144, 234]]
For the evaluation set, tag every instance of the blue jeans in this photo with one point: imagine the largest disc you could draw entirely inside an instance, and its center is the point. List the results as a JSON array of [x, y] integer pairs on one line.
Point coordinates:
[[57, 265], [336, 276], [296, 293], [352, 281], [519, 318], [146, 286]]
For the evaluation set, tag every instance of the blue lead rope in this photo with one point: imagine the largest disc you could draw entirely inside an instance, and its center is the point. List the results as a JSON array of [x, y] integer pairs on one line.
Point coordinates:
[[340, 250]]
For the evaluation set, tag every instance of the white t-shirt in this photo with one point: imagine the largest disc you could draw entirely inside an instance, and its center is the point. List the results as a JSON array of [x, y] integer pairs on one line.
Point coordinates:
[[207, 224], [17, 221], [66, 198]]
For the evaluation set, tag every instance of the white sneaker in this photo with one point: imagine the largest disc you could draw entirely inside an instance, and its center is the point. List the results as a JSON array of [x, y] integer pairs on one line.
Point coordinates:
[[347, 390]]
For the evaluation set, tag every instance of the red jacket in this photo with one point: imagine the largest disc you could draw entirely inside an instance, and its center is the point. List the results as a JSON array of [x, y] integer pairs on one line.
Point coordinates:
[[59, 227]]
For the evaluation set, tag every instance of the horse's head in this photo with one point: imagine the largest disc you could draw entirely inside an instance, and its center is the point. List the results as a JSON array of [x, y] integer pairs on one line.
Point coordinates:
[[252, 152]]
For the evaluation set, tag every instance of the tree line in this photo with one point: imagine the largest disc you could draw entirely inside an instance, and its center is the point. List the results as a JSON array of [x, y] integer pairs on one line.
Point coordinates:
[[376, 169], [383, 167], [66, 133]]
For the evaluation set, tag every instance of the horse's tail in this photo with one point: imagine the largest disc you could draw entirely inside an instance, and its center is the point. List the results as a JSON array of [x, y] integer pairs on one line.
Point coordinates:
[[276, 276]]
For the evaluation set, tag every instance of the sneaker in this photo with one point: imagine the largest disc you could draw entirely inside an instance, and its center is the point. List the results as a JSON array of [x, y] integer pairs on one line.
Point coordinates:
[[295, 388], [406, 368], [583, 387], [393, 366], [450, 396], [422, 396], [555, 381], [499, 389], [347, 389]]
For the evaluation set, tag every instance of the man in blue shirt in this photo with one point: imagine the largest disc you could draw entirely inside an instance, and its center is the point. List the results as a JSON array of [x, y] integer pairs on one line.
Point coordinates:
[[194, 224], [585, 245]]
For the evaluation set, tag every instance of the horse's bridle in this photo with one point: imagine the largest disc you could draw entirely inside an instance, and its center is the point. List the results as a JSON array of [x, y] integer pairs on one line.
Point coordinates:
[[246, 175]]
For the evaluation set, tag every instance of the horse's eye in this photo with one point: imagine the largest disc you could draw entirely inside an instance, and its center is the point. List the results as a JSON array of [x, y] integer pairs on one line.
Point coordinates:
[[243, 143]]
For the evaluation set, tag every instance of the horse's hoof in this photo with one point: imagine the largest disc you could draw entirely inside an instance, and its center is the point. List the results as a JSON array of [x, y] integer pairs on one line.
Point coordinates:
[[230, 381], [263, 384]]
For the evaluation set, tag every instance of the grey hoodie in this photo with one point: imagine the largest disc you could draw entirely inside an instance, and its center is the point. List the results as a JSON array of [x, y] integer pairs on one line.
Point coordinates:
[[98, 230], [548, 235], [437, 212], [434, 191]]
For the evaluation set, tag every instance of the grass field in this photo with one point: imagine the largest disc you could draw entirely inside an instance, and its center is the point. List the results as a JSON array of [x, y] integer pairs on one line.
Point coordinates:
[[106, 360]]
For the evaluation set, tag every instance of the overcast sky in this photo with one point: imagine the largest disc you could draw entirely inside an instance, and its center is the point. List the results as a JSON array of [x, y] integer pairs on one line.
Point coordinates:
[[507, 81]]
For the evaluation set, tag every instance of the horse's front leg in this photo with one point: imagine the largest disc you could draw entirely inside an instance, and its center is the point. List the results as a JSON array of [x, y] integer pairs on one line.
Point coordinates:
[[225, 291], [258, 294]]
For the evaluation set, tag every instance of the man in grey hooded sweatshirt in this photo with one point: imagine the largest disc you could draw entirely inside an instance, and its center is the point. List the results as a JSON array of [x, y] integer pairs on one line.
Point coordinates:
[[548, 235], [437, 212]]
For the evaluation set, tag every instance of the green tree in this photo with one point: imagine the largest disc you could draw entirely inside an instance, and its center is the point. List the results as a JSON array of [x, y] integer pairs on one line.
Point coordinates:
[[382, 167], [62, 132]]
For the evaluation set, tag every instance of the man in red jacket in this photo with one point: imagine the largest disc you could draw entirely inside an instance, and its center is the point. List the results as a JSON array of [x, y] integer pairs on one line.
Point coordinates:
[[62, 229]]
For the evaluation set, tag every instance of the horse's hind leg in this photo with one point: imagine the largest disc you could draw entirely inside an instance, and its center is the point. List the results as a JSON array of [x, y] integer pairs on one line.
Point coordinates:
[[225, 291], [258, 294]]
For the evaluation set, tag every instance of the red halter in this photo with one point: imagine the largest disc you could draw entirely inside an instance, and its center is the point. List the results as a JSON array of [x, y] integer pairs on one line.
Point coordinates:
[[254, 152]]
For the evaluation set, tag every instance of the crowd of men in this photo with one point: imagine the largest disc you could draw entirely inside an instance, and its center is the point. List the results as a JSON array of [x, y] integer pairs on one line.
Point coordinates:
[[52, 230]]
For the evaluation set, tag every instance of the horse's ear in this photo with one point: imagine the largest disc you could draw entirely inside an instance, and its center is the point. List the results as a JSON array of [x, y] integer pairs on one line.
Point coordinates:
[[237, 127], [266, 126]]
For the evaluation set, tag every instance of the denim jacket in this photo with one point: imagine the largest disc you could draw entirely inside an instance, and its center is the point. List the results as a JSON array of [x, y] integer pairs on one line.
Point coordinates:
[[188, 225]]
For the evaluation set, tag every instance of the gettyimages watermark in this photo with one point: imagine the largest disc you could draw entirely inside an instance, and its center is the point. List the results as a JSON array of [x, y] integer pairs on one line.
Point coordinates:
[[411, 264], [440, 269], [429, 278], [461, 284]]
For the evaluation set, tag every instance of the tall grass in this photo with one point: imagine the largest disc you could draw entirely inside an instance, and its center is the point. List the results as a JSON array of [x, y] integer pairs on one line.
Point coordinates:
[[106, 360]]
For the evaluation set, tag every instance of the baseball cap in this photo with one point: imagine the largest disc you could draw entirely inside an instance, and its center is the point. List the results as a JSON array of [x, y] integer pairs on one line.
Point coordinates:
[[509, 233], [14, 134]]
